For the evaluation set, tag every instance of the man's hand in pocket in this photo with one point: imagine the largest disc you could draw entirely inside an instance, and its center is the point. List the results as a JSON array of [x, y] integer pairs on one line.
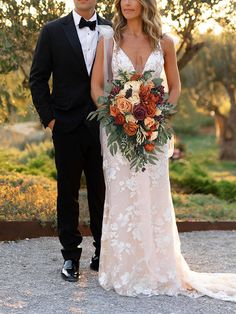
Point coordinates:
[[51, 124]]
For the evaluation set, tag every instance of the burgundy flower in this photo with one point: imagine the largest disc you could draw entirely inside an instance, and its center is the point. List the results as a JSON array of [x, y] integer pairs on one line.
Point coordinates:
[[115, 90], [140, 112], [161, 89], [159, 118]]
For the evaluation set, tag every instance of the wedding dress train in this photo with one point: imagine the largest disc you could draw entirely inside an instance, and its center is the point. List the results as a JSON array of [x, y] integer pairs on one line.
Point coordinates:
[[140, 251]]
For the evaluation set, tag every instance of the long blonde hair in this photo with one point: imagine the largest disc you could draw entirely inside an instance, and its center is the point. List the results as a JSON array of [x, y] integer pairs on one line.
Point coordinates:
[[151, 19]]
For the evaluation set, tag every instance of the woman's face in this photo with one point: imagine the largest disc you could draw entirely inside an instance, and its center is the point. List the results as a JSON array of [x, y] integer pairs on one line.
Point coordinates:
[[131, 9]]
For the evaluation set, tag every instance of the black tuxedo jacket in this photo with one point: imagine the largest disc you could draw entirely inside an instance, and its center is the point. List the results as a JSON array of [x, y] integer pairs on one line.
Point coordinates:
[[59, 52]]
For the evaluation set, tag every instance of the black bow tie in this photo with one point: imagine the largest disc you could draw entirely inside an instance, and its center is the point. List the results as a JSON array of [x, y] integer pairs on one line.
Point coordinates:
[[84, 23]]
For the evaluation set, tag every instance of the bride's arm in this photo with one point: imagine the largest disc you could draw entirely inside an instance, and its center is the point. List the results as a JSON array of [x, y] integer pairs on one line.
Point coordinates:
[[97, 80], [171, 69]]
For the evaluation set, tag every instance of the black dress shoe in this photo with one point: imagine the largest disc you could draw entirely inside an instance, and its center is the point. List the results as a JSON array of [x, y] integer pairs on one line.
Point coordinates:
[[70, 270], [94, 264]]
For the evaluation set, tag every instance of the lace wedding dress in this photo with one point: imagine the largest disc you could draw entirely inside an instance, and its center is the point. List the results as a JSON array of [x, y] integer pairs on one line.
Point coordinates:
[[140, 250]]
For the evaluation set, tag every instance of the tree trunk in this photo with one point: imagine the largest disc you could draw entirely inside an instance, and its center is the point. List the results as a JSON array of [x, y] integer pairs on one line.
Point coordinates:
[[220, 123], [189, 54], [228, 142]]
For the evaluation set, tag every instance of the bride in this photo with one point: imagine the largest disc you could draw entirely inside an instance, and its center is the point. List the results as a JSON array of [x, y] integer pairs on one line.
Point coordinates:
[[140, 249]]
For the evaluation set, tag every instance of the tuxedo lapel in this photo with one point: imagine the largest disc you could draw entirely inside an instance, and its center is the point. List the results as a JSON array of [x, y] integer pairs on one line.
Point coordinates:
[[72, 36]]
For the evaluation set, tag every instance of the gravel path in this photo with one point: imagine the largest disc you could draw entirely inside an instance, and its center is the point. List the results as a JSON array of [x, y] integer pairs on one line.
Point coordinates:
[[30, 281]]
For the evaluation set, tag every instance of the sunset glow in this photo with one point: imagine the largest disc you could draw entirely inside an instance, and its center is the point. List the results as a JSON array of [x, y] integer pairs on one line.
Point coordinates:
[[203, 28]]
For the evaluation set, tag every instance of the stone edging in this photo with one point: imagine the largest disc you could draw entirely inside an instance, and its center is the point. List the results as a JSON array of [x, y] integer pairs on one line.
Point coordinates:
[[17, 230]]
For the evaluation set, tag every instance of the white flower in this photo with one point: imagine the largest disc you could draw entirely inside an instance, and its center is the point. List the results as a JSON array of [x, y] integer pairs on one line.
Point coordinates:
[[114, 227], [105, 31], [124, 247], [153, 136], [135, 99], [136, 234], [143, 131], [123, 219], [121, 93], [158, 112], [135, 85], [130, 118]]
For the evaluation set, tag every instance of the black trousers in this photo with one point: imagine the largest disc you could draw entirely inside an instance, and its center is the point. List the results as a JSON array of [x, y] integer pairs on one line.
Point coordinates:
[[75, 152]]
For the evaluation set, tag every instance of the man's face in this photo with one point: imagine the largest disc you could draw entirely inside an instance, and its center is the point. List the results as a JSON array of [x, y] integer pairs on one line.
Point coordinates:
[[85, 5]]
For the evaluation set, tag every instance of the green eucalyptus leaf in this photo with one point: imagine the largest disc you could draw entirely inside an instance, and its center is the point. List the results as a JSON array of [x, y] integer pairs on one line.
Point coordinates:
[[157, 81], [102, 100]]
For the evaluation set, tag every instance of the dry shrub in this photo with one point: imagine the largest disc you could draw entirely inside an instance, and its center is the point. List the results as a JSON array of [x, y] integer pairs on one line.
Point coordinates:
[[24, 197]]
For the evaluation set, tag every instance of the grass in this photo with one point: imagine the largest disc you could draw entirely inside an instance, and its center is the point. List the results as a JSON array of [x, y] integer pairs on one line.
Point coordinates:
[[203, 150], [201, 171], [203, 207]]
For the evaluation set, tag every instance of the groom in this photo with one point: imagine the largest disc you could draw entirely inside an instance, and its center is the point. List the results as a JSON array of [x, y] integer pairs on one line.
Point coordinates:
[[66, 49]]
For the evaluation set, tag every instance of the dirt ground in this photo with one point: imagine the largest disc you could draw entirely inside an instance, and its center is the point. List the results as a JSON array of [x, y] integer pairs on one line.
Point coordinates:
[[30, 281]]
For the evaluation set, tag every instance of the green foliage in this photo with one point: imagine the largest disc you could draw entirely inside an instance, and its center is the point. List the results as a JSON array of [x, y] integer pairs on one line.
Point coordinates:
[[190, 118], [188, 15], [202, 207], [211, 82], [214, 64], [20, 23], [104, 7], [197, 173], [34, 160]]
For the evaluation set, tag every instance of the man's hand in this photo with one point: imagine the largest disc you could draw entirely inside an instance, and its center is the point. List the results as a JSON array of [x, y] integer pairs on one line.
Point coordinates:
[[51, 124]]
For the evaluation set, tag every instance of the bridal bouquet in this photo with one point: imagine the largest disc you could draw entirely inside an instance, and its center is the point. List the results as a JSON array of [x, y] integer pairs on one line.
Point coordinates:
[[135, 114]]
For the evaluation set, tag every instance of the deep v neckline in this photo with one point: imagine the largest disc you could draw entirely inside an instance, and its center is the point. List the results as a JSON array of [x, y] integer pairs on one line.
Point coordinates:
[[131, 62]]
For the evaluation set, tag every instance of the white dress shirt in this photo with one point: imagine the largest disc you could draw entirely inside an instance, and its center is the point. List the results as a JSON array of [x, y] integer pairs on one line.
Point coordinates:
[[88, 39]]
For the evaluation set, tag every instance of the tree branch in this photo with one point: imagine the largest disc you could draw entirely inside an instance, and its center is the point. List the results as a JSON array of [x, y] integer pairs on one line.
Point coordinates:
[[189, 54]]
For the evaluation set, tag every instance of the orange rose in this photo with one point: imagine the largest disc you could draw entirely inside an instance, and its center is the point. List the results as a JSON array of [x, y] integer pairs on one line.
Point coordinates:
[[114, 111], [149, 122], [151, 103], [130, 128], [123, 104], [149, 147], [153, 98], [151, 110], [120, 119], [145, 92], [135, 77]]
